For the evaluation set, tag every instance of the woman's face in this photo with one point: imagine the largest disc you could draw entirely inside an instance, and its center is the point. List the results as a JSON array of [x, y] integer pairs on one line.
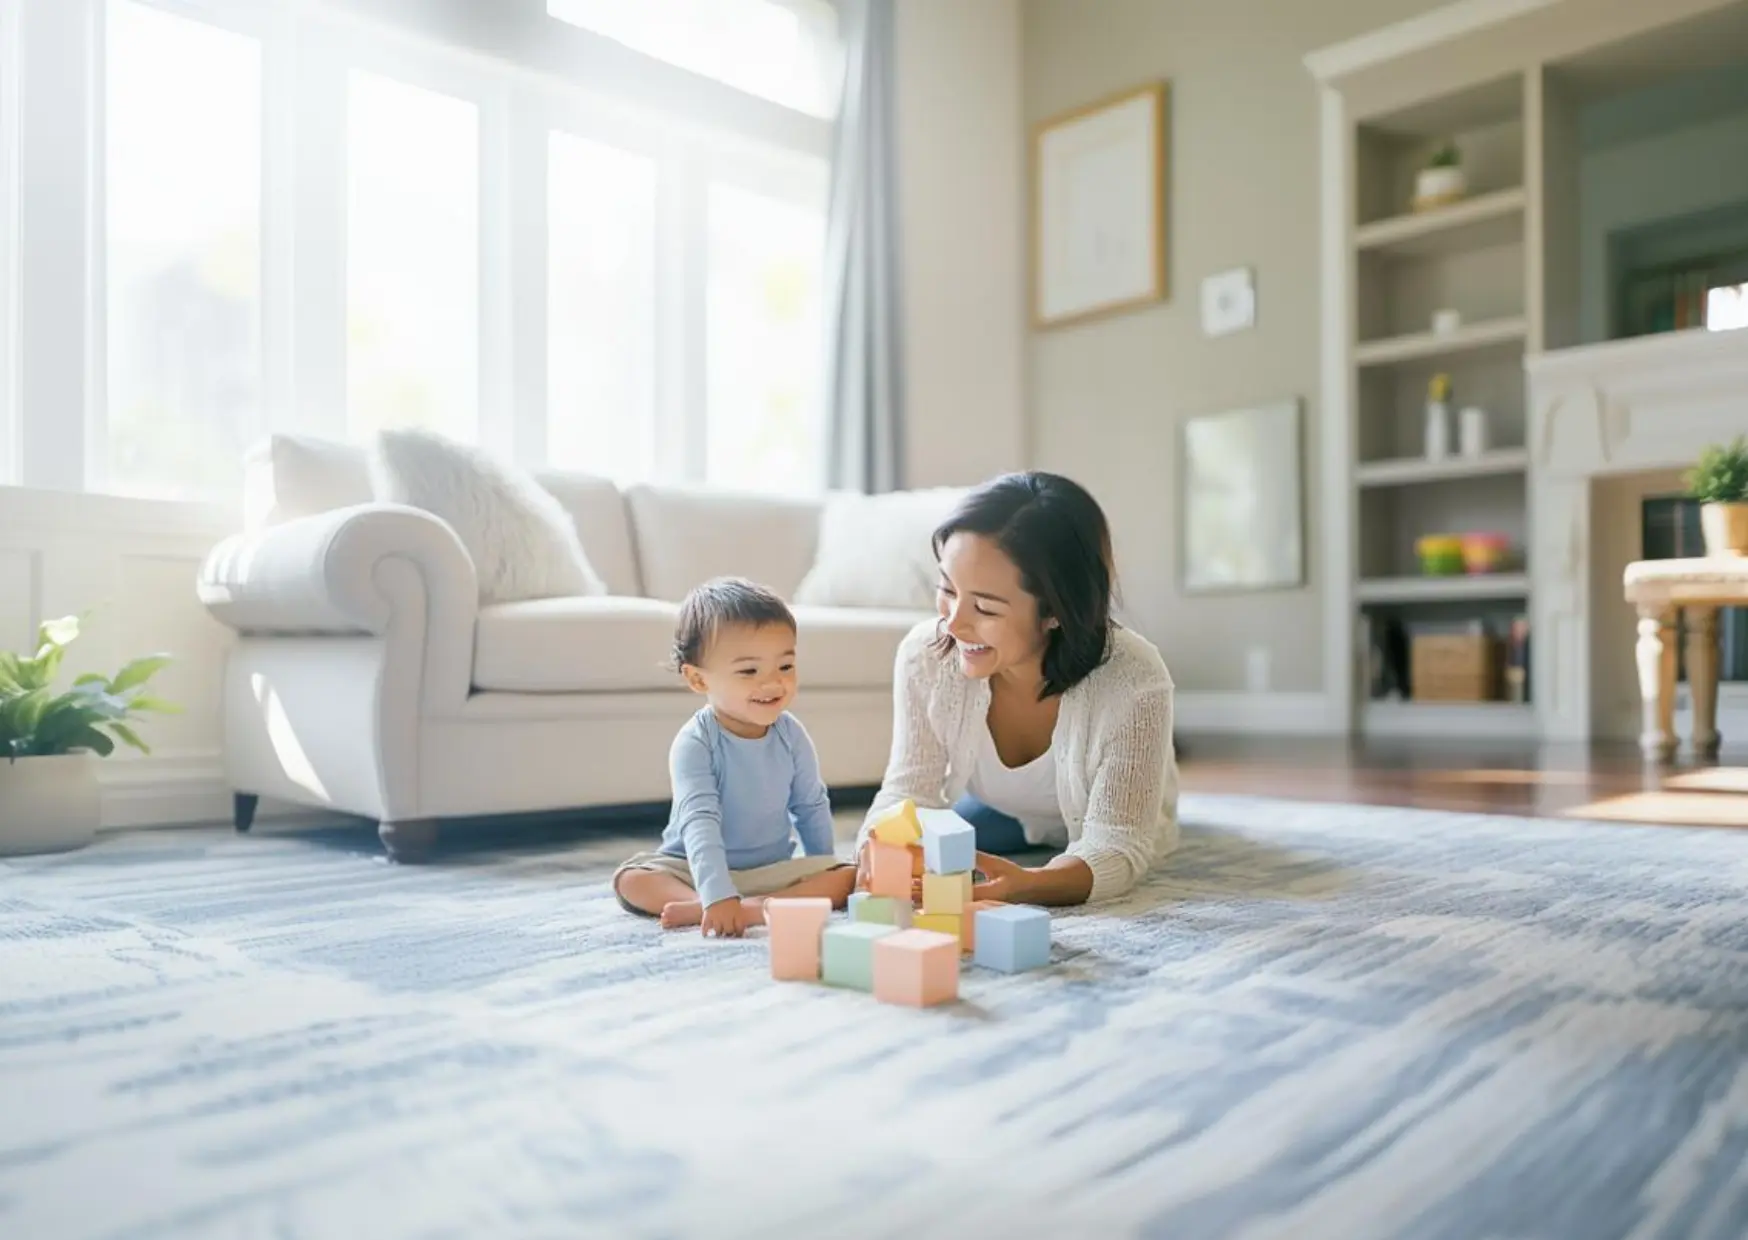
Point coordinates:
[[992, 620]]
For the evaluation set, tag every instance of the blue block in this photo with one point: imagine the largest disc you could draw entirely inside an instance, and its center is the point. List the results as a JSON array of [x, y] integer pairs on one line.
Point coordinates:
[[1012, 938], [949, 843]]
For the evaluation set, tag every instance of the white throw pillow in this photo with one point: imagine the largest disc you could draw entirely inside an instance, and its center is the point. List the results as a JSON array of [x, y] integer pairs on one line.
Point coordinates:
[[875, 550], [523, 543]]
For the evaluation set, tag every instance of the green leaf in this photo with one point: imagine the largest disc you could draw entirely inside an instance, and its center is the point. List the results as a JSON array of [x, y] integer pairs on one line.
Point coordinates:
[[93, 678], [138, 672], [158, 705], [10, 673], [127, 734], [89, 738], [59, 633]]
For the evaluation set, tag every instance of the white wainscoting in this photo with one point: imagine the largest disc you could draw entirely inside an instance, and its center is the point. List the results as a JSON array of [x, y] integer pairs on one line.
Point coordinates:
[[130, 564]]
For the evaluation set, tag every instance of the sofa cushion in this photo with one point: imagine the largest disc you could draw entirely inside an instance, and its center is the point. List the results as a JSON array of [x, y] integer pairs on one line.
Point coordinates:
[[522, 541], [687, 535], [598, 508], [877, 550], [604, 644], [290, 476], [848, 647]]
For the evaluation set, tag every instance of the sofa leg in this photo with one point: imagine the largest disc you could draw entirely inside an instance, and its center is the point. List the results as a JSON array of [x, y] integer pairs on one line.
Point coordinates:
[[243, 809], [408, 841]]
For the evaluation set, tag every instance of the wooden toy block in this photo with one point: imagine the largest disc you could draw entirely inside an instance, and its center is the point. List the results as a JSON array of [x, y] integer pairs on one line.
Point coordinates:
[[880, 910], [796, 924], [918, 968], [916, 860], [898, 825], [1012, 938], [946, 893], [847, 953], [968, 921], [890, 875], [940, 923], [949, 843]]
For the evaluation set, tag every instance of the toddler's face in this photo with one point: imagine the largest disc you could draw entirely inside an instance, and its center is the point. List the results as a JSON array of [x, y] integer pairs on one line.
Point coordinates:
[[748, 674]]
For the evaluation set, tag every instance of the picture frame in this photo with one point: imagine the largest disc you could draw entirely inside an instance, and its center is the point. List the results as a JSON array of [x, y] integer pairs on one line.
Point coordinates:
[[1099, 194], [1243, 499]]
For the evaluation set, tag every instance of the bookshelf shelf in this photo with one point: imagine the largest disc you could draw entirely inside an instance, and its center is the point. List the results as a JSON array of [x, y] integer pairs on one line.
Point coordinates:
[[1478, 587], [1483, 221]]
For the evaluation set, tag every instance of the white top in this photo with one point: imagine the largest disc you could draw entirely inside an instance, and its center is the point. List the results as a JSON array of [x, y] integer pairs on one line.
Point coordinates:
[[1116, 770], [1027, 792]]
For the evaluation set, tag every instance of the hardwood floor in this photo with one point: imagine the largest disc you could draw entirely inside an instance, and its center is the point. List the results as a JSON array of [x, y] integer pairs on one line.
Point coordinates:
[[1603, 781]]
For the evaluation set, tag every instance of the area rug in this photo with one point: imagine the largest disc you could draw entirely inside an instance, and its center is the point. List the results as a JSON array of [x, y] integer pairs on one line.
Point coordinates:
[[1314, 1021]]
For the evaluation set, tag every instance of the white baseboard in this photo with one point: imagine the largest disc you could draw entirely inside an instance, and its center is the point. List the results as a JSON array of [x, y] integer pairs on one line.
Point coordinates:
[[1266, 714], [179, 791]]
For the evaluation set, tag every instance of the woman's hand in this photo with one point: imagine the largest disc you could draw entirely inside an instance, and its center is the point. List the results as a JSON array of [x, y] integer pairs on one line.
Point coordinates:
[[1003, 880]]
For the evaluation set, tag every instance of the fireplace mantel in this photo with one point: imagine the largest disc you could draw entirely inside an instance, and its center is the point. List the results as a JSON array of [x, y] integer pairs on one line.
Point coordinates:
[[1622, 407]]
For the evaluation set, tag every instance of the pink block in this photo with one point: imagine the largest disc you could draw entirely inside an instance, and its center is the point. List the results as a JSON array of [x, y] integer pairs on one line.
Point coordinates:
[[796, 924], [968, 926], [917, 968], [891, 872]]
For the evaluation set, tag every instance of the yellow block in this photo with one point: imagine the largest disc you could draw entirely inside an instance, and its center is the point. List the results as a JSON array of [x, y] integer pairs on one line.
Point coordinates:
[[898, 825], [946, 893], [944, 923]]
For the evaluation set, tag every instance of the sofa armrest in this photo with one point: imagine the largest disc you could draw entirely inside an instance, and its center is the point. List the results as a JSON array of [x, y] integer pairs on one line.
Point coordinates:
[[382, 570]]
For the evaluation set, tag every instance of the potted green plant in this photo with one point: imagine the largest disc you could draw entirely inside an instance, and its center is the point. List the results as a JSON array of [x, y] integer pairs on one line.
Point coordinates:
[[1441, 181], [49, 740], [1719, 481]]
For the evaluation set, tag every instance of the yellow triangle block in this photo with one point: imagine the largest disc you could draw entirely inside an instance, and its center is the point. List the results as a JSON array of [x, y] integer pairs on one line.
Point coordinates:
[[898, 825]]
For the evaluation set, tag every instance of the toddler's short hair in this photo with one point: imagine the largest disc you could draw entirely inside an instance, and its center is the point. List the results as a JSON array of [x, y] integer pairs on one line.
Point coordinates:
[[720, 602]]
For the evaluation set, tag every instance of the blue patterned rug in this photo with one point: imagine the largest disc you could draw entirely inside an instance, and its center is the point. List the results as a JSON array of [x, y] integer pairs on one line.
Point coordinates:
[[1317, 1021]]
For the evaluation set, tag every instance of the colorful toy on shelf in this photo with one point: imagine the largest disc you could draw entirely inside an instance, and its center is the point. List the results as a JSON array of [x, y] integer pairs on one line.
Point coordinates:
[[901, 953]]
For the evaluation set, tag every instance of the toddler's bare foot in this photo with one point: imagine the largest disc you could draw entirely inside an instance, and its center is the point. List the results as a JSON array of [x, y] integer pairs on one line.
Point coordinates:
[[679, 914]]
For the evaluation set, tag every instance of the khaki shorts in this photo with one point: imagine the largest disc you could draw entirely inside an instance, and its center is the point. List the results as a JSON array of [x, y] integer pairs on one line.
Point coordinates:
[[763, 880]]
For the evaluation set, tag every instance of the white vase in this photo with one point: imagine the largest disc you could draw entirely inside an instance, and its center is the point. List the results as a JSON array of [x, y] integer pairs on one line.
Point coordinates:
[[1433, 187], [48, 804]]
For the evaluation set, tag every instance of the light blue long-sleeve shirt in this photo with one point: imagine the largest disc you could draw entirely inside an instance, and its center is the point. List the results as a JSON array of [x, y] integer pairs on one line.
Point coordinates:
[[740, 804]]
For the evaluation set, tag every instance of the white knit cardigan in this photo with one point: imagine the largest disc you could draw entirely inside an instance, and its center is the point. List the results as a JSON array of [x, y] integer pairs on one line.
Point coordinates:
[[1116, 769]]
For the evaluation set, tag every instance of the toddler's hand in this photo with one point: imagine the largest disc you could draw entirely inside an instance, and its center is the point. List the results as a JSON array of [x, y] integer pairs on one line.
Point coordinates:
[[722, 920]]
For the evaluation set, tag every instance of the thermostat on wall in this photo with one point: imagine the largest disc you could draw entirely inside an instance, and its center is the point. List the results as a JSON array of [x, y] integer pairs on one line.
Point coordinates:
[[1228, 302]]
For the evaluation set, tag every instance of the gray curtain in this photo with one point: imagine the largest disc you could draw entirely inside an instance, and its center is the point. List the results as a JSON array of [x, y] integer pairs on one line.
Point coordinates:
[[864, 361]]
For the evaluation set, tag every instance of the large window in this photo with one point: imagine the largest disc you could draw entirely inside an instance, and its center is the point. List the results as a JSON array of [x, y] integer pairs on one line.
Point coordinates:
[[412, 259], [782, 50], [182, 182], [762, 405], [588, 252], [601, 297]]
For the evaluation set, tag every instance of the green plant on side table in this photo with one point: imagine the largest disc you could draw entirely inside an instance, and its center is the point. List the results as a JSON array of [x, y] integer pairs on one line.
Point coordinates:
[[49, 740], [1719, 481]]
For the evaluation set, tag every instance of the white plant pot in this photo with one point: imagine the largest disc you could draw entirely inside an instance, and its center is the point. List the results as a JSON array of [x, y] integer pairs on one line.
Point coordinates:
[[48, 804], [1725, 528], [1436, 186]]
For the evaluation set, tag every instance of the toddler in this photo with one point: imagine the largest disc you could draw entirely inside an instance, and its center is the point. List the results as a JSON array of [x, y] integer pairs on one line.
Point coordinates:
[[745, 776]]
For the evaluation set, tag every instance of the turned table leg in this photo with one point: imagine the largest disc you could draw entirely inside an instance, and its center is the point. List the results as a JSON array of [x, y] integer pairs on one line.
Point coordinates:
[[1656, 658], [1702, 678]]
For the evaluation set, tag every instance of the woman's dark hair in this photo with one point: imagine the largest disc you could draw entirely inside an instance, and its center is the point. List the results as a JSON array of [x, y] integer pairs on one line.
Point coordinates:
[[709, 608], [1057, 536]]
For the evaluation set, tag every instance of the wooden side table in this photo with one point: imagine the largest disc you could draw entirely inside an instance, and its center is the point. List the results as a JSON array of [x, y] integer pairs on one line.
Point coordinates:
[[1662, 590]]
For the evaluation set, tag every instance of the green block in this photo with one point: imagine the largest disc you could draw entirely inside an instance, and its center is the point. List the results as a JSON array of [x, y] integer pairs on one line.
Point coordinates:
[[847, 954], [882, 910]]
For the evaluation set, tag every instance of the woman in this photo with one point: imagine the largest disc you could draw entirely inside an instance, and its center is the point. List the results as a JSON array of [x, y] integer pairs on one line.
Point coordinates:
[[1027, 708]]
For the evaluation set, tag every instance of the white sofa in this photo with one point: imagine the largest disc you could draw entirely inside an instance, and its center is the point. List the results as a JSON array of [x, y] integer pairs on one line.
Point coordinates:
[[367, 678]]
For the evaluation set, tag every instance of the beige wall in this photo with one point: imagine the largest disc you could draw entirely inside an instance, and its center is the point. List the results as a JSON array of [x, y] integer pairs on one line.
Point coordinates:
[[962, 210], [1106, 398]]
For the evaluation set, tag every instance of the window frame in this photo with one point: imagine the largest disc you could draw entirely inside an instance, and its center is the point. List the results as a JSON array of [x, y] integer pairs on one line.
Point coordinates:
[[526, 72]]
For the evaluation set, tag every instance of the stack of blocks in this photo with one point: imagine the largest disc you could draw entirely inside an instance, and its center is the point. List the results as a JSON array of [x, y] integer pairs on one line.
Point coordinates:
[[902, 954]]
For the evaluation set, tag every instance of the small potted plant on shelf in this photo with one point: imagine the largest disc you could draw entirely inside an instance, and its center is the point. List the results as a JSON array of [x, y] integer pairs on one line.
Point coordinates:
[[1441, 181], [1719, 481], [49, 741]]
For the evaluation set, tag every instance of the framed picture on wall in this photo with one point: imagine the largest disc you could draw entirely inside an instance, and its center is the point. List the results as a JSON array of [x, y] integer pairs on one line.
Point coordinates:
[[1098, 208], [1243, 502]]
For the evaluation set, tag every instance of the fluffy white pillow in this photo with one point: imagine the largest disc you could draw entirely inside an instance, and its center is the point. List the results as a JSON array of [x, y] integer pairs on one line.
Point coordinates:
[[523, 543], [874, 550]]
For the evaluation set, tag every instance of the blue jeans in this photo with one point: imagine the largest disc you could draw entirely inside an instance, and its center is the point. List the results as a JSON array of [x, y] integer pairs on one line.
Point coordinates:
[[996, 832]]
